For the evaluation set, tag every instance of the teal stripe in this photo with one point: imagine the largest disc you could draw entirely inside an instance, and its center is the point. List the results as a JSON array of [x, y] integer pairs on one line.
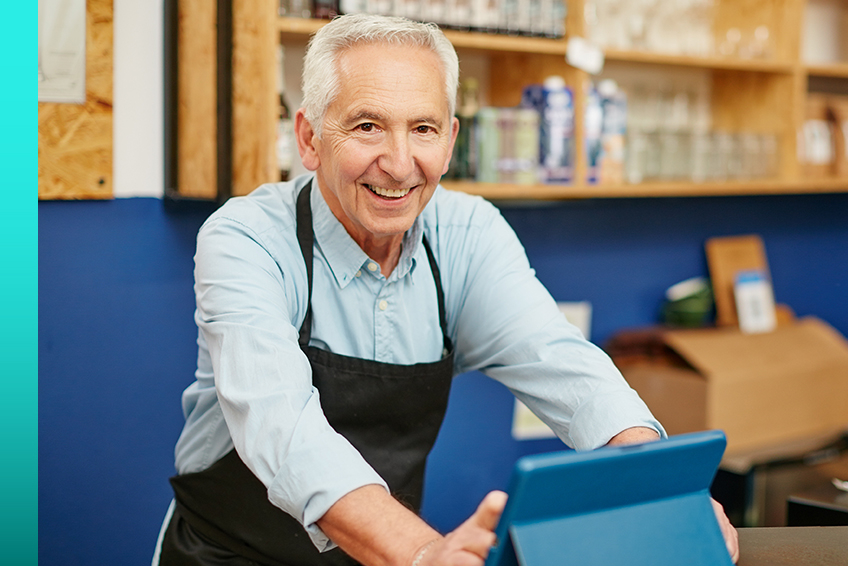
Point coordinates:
[[19, 285]]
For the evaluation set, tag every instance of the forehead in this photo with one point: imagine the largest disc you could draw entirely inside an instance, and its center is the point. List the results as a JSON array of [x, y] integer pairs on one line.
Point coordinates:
[[391, 76]]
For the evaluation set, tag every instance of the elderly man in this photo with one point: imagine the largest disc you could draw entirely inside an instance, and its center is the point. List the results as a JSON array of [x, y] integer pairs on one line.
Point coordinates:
[[334, 311]]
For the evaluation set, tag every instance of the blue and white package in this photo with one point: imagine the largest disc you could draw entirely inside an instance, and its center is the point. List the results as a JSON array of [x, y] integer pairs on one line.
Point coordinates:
[[593, 126], [556, 135]]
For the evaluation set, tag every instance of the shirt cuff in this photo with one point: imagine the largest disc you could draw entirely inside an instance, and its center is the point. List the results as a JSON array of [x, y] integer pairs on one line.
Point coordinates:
[[308, 491], [603, 416]]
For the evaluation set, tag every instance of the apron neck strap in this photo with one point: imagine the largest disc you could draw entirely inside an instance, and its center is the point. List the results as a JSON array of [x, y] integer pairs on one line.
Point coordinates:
[[305, 238]]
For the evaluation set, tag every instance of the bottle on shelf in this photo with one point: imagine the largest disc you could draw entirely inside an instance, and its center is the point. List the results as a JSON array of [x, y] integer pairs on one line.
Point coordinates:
[[488, 145], [538, 18], [285, 145], [295, 8], [556, 133], [526, 146], [464, 159], [613, 132], [592, 134], [325, 9], [353, 6]]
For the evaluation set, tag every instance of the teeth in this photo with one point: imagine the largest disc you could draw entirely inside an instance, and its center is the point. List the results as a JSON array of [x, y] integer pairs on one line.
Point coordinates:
[[390, 193]]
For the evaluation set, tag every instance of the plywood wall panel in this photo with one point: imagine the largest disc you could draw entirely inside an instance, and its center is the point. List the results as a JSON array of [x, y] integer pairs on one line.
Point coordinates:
[[197, 161], [254, 95], [75, 140]]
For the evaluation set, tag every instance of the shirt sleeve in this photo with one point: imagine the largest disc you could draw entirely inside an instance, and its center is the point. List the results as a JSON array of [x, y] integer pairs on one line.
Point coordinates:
[[509, 327], [247, 301]]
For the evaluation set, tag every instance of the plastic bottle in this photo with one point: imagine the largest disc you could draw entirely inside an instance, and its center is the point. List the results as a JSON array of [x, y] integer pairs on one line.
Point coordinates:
[[556, 135]]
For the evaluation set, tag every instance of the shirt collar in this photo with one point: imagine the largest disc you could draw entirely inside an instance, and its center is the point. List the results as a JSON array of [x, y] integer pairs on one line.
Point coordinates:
[[344, 256]]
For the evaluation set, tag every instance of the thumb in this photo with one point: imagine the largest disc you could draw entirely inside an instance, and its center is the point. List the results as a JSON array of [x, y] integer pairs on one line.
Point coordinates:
[[489, 511]]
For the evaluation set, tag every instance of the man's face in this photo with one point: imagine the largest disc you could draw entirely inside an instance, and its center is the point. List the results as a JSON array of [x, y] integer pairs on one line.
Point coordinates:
[[386, 142]]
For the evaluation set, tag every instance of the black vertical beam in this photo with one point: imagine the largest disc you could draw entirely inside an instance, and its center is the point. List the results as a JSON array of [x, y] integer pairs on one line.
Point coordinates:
[[225, 99], [224, 105]]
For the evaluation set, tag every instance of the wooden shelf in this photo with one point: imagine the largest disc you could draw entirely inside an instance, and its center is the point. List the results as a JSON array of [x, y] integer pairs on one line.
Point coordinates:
[[495, 191], [837, 70], [725, 63], [293, 28], [301, 27], [507, 43]]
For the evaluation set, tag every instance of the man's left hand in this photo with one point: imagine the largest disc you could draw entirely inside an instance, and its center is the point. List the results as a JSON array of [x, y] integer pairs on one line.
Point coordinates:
[[731, 537], [636, 435]]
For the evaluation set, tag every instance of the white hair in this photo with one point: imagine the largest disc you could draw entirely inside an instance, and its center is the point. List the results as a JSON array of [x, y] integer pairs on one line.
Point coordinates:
[[321, 69]]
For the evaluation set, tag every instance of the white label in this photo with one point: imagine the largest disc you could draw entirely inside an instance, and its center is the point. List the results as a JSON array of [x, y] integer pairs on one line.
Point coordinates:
[[61, 51], [754, 302], [584, 55]]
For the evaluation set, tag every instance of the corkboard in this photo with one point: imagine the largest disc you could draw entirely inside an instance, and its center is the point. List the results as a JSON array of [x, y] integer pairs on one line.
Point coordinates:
[[75, 140]]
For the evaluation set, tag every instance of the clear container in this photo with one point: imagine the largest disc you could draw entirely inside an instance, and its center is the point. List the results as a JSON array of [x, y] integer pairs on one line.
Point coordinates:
[[734, 160], [653, 156], [701, 149], [722, 147], [768, 146], [636, 154], [751, 155], [669, 157]]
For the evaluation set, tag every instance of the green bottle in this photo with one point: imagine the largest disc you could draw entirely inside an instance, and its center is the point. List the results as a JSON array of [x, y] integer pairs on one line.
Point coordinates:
[[464, 159]]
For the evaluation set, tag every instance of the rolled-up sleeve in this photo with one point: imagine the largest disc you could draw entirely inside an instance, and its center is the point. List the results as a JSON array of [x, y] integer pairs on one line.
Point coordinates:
[[248, 310]]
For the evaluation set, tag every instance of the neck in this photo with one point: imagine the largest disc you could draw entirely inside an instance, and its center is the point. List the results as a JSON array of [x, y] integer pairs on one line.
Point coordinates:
[[385, 251]]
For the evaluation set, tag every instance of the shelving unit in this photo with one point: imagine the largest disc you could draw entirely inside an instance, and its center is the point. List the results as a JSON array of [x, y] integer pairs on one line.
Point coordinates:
[[836, 70], [756, 95]]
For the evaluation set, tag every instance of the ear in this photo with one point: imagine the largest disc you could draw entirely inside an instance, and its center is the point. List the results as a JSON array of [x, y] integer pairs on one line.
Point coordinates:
[[306, 138], [454, 133]]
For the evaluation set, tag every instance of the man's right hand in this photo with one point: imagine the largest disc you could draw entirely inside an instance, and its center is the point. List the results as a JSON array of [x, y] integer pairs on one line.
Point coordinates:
[[468, 544]]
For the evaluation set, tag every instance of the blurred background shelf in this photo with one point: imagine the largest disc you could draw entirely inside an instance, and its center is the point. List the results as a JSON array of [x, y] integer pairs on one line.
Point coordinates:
[[835, 70], [497, 191], [764, 91]]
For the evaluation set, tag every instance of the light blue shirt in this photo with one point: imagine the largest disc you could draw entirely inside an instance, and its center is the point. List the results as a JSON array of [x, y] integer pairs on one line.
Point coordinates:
[[253, 387]]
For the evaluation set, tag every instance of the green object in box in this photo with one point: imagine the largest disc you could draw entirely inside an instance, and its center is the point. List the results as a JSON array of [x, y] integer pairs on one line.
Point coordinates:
[[688, 303]]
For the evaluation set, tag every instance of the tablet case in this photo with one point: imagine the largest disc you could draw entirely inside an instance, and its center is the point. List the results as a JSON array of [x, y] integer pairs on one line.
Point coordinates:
[[645, 504]]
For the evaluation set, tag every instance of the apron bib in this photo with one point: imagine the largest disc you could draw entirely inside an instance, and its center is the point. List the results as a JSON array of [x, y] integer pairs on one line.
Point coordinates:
[[390, 413]]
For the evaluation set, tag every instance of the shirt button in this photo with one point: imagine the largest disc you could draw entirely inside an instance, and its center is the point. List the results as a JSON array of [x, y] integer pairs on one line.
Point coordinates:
[[359, 273], [372, 267], [383, 305]]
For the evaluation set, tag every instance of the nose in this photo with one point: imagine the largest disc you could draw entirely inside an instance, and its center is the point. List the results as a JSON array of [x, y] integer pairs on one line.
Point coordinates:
[[396, 159]]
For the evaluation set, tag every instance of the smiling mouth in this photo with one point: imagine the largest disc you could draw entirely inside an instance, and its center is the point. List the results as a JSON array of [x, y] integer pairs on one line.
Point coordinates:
[[388, 193]]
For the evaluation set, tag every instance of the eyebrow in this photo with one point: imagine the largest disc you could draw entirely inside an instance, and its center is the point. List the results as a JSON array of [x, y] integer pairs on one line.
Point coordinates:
[[370, 115], [365, 115]]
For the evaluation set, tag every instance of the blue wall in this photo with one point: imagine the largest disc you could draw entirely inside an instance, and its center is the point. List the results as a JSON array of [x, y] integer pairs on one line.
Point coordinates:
[[117, 341]]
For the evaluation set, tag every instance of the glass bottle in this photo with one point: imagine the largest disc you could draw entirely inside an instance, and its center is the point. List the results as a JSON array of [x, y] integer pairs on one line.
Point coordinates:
[[464, 159], [285, 147]]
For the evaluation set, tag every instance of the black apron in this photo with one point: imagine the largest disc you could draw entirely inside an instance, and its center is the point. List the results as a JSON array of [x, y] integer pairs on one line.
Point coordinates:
[[390, 413]]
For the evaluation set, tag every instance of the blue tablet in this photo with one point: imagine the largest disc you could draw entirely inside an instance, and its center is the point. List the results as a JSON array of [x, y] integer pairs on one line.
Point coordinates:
[[646, 504]]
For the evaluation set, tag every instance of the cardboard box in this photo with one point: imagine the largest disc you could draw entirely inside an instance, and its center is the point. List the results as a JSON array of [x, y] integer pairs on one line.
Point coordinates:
[[760, 389]]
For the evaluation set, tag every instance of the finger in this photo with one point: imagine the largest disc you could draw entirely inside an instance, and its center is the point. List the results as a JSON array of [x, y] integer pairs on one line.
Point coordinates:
[[476, 535], [731, 537], [489, 511]]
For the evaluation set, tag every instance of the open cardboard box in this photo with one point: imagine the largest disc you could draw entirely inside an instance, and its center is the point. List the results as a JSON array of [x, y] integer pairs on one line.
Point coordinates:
[[760, 389]]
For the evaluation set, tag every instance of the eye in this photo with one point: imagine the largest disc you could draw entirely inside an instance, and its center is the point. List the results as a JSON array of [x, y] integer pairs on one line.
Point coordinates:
[[424, 129], [366, 127]]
